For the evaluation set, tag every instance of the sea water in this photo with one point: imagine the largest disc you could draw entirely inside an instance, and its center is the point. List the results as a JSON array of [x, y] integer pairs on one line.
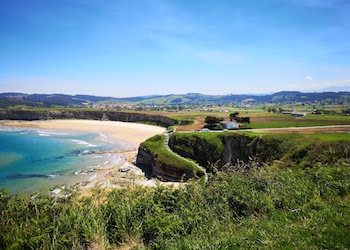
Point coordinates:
[[36, 159]]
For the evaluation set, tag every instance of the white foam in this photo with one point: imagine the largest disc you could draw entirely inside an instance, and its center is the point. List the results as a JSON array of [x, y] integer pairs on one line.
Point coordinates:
[[80, 142], [10, 129], [50, 132], [43, 135]]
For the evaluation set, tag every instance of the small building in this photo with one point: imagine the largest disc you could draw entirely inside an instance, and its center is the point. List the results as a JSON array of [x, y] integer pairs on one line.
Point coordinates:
[[229, 125]]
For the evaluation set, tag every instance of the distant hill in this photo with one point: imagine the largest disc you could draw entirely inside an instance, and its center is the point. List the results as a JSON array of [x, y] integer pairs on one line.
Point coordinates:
[[47, 100]]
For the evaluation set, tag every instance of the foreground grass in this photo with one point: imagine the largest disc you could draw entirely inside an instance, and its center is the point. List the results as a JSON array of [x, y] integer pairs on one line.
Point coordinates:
[[293, 208]]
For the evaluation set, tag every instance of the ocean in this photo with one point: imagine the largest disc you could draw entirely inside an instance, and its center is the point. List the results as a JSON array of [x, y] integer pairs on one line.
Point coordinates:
[[38, 159]]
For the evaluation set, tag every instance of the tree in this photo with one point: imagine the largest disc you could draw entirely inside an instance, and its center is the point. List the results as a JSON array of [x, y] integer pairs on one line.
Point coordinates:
[[273, 110], [245, 120], [233, 116], [212, 120]]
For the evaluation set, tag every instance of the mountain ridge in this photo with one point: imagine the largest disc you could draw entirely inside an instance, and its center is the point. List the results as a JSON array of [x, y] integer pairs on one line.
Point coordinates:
[[176, 99]]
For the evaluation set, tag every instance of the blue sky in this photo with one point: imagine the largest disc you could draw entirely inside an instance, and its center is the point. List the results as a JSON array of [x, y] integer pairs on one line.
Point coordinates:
[[129, 48]]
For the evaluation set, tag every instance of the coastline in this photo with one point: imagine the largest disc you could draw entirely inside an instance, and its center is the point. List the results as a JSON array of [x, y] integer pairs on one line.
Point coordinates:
[[132, 133], [125, 172]]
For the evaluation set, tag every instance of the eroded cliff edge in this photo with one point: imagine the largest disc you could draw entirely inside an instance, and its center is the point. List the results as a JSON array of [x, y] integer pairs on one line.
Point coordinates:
[[161, 170], [213, 150], [205, 152], [222, 151], [158, 162]]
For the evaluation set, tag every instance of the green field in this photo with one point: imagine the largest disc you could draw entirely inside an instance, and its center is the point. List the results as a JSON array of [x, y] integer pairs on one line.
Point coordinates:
[[259, 117]]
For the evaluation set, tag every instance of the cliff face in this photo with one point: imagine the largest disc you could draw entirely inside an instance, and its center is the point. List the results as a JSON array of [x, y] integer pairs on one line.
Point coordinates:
[[238, 148], [29, 115], [229, 149], [214, 150], [195, 148], [148, 162], [226, 149]]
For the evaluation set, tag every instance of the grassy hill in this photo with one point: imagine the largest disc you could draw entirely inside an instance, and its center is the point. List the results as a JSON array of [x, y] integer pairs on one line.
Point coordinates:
[[185, 99]]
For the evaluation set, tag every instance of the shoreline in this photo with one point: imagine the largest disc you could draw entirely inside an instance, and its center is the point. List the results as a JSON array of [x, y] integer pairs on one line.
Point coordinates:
[[132, 133], [122, 174]]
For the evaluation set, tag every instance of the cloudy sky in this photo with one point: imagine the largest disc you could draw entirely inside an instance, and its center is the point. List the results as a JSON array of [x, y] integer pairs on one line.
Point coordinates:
[[129, 47]]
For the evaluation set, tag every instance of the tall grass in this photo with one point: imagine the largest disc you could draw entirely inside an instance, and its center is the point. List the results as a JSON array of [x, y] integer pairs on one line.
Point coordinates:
[[295, 208]]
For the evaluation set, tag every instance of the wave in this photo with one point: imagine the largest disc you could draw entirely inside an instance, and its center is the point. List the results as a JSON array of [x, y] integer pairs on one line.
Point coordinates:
[[26, 176], [11, 129], [52, 133], [43, 134], [81, 142]]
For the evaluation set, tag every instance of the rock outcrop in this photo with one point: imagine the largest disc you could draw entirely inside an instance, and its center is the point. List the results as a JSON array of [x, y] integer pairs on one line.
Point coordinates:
[[153, 168]]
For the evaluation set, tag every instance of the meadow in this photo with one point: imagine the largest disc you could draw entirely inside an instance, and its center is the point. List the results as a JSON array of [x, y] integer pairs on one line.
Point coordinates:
[[260, 118]]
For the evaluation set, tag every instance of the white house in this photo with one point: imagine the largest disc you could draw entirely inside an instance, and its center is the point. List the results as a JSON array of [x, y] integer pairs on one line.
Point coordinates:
[[229, 125]]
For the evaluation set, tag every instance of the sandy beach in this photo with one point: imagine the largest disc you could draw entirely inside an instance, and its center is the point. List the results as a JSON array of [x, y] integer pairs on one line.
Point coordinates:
[[131, 133]]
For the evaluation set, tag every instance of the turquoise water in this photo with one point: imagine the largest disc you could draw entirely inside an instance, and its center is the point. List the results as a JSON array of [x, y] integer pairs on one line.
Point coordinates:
[[33, 160]]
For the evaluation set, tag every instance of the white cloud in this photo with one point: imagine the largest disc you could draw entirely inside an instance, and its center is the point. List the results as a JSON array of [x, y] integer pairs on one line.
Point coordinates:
[[309, 78]]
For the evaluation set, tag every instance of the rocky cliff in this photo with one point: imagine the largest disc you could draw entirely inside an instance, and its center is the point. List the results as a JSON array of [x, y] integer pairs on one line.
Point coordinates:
[[167, 172], [30, 115], [208, 152], [226, 149], [223, 151]]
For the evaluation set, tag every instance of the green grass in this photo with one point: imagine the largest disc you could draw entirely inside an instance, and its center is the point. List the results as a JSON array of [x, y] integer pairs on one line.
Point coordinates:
[[332, 136], [292, 123], [155, 146], [211, 138], [273, 208], [208, 148], [204, 148]]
